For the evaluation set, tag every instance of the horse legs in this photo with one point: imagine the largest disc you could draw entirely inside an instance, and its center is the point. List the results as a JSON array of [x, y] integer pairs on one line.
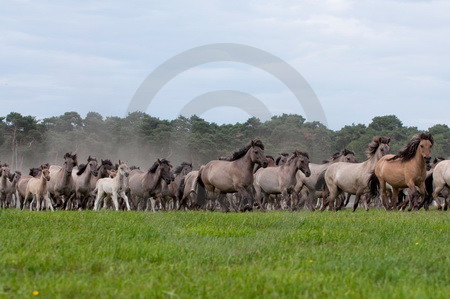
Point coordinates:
[[436, 197], [357, 197], [115, 201], [384, 196], [97, 200], [125, 198]]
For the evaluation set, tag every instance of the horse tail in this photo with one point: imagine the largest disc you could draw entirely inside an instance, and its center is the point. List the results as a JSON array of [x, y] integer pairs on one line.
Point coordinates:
[[429, 185], [201, 191], [320, 184], [374, 185]]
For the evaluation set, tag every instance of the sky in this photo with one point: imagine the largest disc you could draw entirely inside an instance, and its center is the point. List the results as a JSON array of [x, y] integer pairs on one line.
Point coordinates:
[[361, 58]]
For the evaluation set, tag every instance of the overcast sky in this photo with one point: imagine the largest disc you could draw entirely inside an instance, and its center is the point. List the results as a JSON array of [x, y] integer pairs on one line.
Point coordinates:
[[362, 58]]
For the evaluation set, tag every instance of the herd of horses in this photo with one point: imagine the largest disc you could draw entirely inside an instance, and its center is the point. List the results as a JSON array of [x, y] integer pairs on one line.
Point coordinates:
[[245, 181]]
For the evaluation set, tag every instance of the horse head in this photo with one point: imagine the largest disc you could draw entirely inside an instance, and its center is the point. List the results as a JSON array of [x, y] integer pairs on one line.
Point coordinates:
[[123, 169], [45, 171], [70, 161], [425, 145], [282, 159], [5, 171], [270, 161], [344, 155], [257, 153], [93, 165], [302, 162], [166, 172]]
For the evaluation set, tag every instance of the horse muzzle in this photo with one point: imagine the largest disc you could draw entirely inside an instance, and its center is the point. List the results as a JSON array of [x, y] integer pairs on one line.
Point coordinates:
[[307, 173], [427, 159], [168, 181], [264, 164]]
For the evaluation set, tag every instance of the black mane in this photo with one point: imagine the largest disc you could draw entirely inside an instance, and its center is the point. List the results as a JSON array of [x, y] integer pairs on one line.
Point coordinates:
[[277, 162], [343, 152], [375, 143], [296, 154], [240, 153], [156, 164], [81, 169], [409, 151], [180, 168]]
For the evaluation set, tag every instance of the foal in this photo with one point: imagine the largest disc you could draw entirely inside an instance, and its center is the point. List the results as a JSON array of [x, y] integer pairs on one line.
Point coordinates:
[[113, 187], [37, 187]]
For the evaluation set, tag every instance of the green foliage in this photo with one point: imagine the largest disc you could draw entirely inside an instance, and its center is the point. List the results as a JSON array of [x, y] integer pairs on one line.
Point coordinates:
[[202, 254], [140, 138]]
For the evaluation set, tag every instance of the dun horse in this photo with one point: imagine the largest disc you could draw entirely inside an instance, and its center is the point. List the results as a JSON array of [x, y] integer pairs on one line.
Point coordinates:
[[310, 182], [441, 181], [37, 188], [221, 177], [280, 180], [172, 191], [4, 177], [61, 182], [82, 177], [143, 184], [353, 177], [407, 169]]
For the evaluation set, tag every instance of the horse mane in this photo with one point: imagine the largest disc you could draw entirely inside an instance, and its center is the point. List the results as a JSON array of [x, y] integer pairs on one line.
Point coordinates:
[[375, 144], [343, 152], [438, 159], [107, 162], [277, 162], [134, 167], [81, 168], [73, 156], [270, 157], [34, 170], [156, 164], [295, 154], [409, 150], [241, 152], [180, 168], [92, 159]]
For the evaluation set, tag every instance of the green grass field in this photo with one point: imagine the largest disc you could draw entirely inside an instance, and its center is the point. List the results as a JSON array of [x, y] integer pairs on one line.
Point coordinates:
[[205, 254]]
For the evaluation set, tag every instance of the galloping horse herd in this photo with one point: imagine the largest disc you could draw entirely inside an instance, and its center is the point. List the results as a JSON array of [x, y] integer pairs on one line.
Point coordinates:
[[248, 180]]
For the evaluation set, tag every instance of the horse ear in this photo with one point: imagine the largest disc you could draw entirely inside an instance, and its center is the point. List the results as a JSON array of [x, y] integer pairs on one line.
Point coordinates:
[[389, 140], [159, 161]]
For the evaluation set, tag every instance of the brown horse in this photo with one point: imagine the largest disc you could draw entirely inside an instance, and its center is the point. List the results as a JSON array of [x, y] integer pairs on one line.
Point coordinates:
[[407, 169], [219, 177]]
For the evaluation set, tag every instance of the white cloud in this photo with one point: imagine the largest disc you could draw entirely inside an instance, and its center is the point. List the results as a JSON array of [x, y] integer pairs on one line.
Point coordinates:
[[93, 56]]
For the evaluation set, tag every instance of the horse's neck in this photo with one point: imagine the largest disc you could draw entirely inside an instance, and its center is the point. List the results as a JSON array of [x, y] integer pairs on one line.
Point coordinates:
[[87, 176], [419, 160], [4, 181], [119, 179], [154, 178], [370, 163], [291, 167], [43, 181], [245, 163], [65, 177]]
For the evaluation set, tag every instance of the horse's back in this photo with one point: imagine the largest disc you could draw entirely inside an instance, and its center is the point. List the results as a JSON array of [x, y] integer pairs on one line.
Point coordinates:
[[217, 173], [267, 179], [441, 172]]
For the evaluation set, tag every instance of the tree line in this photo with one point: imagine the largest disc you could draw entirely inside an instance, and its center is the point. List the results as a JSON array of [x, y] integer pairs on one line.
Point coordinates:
[[140, 138]]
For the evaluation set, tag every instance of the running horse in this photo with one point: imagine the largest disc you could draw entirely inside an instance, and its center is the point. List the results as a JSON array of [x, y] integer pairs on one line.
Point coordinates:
[[353, 178], [220, 177], [407, 169]]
